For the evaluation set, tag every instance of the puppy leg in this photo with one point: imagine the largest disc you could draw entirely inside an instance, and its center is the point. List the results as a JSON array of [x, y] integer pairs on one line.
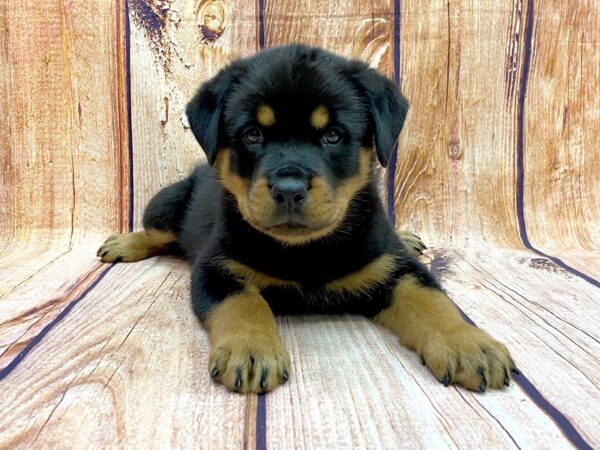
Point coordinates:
[[427, 321], [246, 352], [131, 247], [162, 218]]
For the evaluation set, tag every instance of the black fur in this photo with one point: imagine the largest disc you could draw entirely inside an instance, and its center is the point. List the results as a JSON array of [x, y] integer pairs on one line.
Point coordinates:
[[366, 106]]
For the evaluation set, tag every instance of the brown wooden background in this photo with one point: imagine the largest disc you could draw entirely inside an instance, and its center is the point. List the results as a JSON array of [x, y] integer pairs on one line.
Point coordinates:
[[497, 169]]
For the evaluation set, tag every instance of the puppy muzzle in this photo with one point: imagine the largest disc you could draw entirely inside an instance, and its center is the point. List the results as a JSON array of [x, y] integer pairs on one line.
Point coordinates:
[[289, 185]]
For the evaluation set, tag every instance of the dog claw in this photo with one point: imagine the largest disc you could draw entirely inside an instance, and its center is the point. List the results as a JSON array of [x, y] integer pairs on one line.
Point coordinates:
[[215, 372], [483, 383], [238, 379], [506, 378], [446, 380], [263, 378], [285, 376]]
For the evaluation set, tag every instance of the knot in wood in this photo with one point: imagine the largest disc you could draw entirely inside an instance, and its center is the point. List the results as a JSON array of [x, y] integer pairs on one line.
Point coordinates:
[[455, 152], [213, 16]]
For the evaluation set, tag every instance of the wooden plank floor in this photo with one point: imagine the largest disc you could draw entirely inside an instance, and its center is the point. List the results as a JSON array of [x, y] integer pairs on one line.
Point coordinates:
[[118, 359]]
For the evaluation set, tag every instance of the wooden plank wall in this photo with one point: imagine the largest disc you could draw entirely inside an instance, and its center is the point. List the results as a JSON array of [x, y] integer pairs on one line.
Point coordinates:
[[489, 81], [63, 131], [455, 177], [499, 152], [562, 112], [495, 90]]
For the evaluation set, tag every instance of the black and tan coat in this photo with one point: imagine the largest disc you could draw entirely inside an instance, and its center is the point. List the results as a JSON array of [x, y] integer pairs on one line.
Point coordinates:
[[287, 218]]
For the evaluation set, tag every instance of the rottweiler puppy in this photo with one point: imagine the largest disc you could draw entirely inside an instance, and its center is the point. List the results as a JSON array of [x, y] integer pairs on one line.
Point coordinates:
[[286, 217]]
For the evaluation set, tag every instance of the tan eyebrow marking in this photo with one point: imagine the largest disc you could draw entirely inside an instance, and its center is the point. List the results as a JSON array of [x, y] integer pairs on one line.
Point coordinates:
[[265, 115], [319, 118]]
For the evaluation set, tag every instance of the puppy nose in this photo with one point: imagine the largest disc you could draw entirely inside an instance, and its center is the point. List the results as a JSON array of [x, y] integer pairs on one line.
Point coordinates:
[[289, 192]]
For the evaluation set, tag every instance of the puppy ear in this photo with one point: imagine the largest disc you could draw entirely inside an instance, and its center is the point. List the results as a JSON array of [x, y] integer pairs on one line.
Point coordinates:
[[388, 110], [205, 111]]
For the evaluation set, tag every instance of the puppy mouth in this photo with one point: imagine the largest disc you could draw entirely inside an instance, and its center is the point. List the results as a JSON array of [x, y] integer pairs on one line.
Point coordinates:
[[315, 217], [294, 226], [291, 224]]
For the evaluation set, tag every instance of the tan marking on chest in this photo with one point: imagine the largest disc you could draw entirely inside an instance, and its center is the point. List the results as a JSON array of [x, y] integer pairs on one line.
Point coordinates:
[[258, 279], [357, 282], [363, 279]]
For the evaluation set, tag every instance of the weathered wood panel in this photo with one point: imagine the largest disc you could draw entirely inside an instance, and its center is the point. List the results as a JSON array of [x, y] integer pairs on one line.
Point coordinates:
[[126, 367], [584, 261], [353, 29], [176, 45], [455, 175], [30, 304], [63, 131], [547, 316], [369, 392], [562, 133]]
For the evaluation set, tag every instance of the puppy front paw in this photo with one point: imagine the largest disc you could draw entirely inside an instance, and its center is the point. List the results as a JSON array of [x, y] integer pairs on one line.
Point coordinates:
[[130, 247], [117, 248], [412, 242], [249, 363], [469, 357]]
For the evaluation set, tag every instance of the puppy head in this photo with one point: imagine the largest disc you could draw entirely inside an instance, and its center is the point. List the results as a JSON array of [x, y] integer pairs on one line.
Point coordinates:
[[290, 131]]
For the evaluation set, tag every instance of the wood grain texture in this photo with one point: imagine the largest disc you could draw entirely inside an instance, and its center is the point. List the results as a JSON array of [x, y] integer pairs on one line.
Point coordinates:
[[61, 139], [360, 30], [562, 112], [126, 367], [455, 175], [581, 260], [548, 318], [371, 393], [31, 303], [175, 45]]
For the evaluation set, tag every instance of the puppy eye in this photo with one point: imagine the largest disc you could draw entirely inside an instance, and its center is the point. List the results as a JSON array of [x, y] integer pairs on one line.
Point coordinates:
[[332, 136], [253, 136]]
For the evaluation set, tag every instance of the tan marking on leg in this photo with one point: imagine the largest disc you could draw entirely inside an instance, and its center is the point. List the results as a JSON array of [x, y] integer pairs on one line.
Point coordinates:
[[265, 115], [426, 320], [246, 352], [368, 276], [131, 247], [319, 118]]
